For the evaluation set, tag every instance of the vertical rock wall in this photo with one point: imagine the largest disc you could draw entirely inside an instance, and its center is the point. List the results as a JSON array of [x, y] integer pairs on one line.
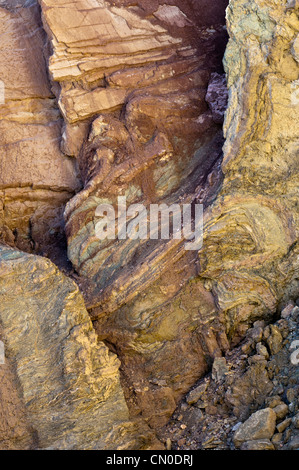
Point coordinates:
[[132, 85], [251, 236], [36, 179], [141, 91]]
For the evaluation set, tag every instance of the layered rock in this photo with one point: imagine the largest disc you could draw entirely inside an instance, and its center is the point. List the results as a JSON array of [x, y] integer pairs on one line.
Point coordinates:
[[15, 430], [142, 105], [63, 384], [132, 81], [102, 51], [142, 95], [252, 403], [36, 178], [249, 259], [250, 248]]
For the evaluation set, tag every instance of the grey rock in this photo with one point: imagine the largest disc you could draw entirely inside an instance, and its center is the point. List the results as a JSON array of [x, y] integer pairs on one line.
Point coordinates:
[[262, 350], [296, 421], [261, 444], [294, 443], [256, 333], [217, 96], [220, 369], [196, 393], [287, 310], [260, 425]]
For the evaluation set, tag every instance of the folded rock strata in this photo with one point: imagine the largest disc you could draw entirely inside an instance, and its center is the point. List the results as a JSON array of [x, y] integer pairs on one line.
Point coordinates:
[[141, 295], [131, 82], [251, 235], [142, 94], [64, 385]]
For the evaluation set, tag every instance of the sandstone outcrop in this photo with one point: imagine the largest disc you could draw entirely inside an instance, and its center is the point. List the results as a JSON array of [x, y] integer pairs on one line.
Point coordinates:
[[69, 394]]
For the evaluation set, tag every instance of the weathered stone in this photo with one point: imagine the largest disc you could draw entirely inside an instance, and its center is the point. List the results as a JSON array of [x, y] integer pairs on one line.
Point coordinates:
[[36, 179], [292, 394], [256, 333], [277, 439], [275, 340], [217, 96], [262, 350], [196, 393], [15, 430], [69, 380], [253, 385], [281, 410], [219, 423], [132, 89], [295, 49], [260, 425], [220, 369], [287, 310], [142, 94], [281, 427], [296, 421], [274, 401], [253, 264], [261, 444], [294, 443]]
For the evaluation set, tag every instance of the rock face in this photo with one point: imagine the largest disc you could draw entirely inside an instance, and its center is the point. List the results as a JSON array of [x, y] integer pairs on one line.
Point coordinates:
[[252, 229], [129, 99], [71, 397], [36, 178], [151, 133], [260, 425], [131, 82]]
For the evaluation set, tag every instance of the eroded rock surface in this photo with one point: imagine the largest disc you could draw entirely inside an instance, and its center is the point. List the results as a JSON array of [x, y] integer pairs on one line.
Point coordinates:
[[36, 179], [250, 249], [249, 260], [132, 81], [69, 394], [142, 94]]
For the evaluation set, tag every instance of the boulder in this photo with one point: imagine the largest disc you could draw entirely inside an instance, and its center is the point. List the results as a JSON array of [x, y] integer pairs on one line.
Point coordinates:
[[260, 425], [69, 394]]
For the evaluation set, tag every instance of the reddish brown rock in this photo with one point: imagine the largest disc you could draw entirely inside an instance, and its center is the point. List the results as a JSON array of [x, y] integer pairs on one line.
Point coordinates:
[[36, 178], [132, 88]]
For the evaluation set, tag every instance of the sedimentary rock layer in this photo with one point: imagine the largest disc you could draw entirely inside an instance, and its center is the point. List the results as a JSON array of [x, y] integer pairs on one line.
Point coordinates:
[[251, 235], [142, 94], [161, 147], [132, 82], [36, 179]]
